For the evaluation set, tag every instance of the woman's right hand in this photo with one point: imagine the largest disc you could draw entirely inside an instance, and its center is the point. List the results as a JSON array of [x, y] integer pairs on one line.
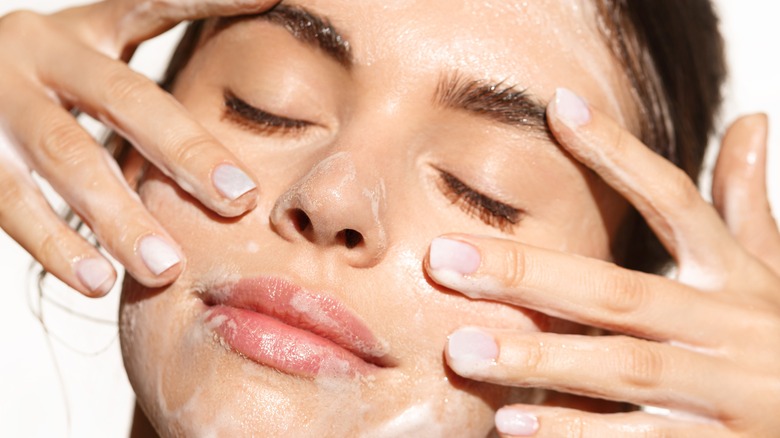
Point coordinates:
[[76, 58]]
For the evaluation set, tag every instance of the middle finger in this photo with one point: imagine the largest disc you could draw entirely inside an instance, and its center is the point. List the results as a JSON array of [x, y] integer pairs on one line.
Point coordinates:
[[689, 227], [583, 290]]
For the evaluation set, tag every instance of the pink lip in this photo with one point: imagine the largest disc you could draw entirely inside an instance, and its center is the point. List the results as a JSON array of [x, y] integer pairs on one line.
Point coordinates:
[[278, 324]]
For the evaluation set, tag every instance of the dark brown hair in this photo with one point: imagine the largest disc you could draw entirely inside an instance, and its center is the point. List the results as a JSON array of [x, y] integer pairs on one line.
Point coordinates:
[[671, 52], [673, 56]]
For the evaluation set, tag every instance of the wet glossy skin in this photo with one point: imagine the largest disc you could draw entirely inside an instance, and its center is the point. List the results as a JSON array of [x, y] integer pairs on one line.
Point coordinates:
[[369, 161]]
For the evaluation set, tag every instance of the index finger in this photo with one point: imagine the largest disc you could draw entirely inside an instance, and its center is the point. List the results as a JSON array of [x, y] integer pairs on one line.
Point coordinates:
[[688, 227]]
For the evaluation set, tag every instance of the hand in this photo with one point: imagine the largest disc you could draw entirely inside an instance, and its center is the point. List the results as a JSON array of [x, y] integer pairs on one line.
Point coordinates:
[[704, 346], [76, 59]]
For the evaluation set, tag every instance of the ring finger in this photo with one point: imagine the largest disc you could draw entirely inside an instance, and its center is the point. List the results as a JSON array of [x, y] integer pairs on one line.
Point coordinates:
[[610, 367]]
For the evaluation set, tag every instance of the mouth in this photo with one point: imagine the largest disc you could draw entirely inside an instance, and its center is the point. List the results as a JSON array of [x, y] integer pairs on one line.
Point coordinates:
[[278, 324]]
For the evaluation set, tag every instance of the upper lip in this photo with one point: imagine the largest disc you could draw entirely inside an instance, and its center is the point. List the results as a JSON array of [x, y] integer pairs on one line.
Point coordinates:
[[317, 313]]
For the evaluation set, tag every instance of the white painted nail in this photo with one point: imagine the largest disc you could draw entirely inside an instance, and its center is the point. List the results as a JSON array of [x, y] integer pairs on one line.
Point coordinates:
[[469, 348], [96, 274], [454, 255], [512, 421], [157, 254], [231, 181], [571, 108]]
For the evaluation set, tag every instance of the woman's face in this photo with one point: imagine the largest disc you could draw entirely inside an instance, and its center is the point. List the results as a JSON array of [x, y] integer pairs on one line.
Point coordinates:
[[312, 315]]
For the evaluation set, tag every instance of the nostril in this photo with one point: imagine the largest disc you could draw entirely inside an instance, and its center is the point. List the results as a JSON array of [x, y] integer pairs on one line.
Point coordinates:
[[300, 219], [351, 238]]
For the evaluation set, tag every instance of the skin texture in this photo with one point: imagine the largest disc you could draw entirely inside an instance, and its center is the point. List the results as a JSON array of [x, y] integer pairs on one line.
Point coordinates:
[[368, 163], [729, 300]]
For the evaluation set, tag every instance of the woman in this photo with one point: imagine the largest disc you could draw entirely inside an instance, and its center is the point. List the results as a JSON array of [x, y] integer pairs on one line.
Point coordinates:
[[320, 306]]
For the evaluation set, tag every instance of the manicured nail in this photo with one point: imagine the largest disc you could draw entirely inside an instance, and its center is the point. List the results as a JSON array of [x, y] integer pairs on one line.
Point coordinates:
[[231, 181], [157, 254], [469, 347], [453, 255], [512, 421], [571, 109], [96, 274]]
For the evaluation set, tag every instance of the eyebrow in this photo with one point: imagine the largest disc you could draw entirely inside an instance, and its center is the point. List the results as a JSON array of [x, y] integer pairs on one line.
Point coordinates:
[[495, 101], [502, 103], [311, 29]]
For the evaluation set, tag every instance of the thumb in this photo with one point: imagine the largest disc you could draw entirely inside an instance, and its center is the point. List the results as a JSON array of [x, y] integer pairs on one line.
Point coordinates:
[[739, 189]]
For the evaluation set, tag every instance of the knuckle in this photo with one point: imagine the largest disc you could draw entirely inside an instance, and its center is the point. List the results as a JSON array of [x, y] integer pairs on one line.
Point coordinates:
[[575, 427], [124, 85], [12, 196], [63, 142], [534, 357], [49, 248], [639, 366], [616, 143], [185, 150], [514, 266], [623, 292]]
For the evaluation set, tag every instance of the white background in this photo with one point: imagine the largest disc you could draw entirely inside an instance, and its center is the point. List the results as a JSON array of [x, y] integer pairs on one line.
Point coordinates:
[[51, 388]]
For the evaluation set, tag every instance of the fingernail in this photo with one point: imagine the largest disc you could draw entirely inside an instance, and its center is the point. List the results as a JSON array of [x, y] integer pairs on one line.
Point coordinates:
[[469, 347], [453, 255], [231, 181], [96, 274], [512, 421], [157, 254], [571, 109]]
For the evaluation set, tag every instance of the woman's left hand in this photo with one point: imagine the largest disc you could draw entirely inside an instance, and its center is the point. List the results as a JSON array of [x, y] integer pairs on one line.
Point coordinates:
[[704, 346]]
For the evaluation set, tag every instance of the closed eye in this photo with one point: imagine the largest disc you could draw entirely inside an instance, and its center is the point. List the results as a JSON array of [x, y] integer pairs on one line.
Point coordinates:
[[260, 121], [490, 211]]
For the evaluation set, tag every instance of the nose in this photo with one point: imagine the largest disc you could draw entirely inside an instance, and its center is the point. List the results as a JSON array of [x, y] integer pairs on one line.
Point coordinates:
[[338, 209]]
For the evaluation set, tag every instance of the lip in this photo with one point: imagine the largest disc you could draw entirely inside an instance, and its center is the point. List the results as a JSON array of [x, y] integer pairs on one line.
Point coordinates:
[[276, 323]]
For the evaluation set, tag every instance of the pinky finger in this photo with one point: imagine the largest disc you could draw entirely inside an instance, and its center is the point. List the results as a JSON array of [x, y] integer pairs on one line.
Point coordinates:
[[540, 421], [27, 217]]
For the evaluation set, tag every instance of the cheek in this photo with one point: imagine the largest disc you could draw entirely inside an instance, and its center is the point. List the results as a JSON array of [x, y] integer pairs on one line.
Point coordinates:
[[579, 214], [152, 337]]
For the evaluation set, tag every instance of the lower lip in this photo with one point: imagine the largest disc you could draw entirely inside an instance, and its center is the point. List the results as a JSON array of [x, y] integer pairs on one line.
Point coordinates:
[[272, 343]]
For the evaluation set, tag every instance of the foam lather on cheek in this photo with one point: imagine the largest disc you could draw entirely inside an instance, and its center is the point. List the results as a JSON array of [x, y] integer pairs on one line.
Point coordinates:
[[471, 287], [418, 420], [378, 200]]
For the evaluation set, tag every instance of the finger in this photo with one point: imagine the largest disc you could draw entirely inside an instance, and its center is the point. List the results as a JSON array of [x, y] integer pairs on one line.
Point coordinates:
[[739, 189], [688, 227], [539, 421], [59, 249], [131, 22], [616, 368], [160, 128], [88, 179], [580, 289]]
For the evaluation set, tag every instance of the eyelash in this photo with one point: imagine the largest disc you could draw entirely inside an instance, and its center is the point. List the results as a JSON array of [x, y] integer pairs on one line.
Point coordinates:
[[494, 213], [488, 210], [261, 121]]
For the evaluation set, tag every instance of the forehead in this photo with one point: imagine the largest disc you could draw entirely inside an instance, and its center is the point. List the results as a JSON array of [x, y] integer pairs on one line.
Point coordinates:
[[536, 45]]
